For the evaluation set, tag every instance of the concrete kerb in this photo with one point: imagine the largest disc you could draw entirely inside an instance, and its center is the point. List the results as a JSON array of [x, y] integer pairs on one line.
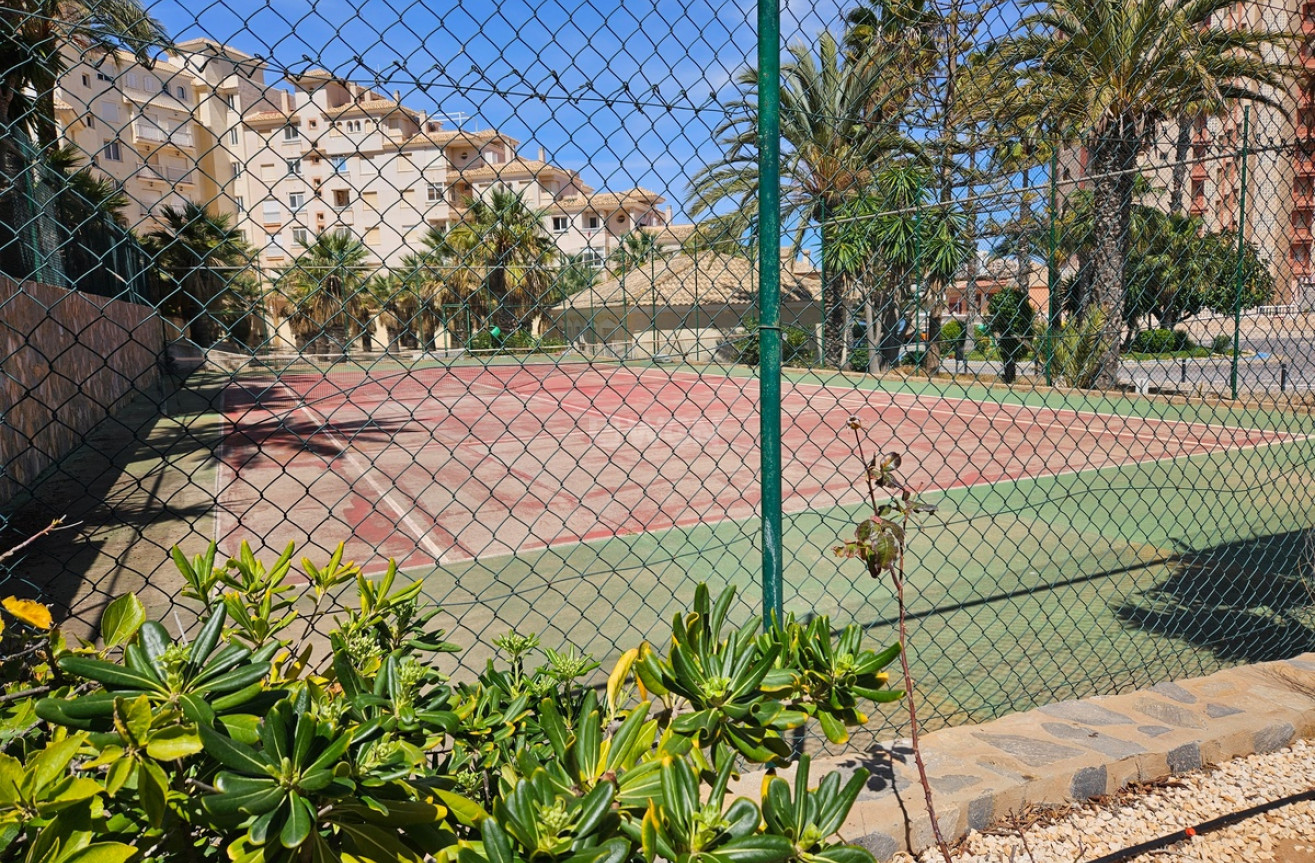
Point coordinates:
[[1070, 751]]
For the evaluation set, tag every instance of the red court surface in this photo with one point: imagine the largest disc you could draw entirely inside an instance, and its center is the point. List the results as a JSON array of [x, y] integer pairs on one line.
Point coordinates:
[[449, 464]]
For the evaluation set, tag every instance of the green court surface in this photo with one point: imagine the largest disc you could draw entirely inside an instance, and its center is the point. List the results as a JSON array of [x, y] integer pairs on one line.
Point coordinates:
[[1020, 592]]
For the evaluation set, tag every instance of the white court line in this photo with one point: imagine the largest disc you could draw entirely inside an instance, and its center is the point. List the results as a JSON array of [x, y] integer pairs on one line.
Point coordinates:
[[404, 514], [896, 398]]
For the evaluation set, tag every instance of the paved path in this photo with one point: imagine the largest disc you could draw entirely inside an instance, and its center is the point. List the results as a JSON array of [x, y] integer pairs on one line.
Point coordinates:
[[1072, 750]]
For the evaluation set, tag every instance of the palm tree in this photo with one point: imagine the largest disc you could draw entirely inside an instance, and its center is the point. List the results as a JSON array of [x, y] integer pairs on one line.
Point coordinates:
[[199, 254], [1108, 73], [892, 240], [832, 134], [501, 244], [35, 34], [325, 285], [637, 249]]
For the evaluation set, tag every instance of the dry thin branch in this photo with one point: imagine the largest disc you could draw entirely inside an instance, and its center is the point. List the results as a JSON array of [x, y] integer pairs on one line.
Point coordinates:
[[57, 524]]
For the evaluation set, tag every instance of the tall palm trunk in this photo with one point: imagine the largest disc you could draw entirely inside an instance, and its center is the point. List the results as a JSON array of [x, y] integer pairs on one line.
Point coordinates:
[[1182, 148], [1114, 154], [834, 320]]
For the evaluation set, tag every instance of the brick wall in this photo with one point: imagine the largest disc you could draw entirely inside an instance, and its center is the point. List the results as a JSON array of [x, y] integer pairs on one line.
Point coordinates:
[[67, 361]]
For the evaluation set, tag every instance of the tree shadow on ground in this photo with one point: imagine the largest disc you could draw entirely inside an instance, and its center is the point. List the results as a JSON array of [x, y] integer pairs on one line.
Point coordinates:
[[1244, 601], [134, 475]]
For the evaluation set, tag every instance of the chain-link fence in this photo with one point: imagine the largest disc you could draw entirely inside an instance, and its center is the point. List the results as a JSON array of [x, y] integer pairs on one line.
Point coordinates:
[[494, 290]]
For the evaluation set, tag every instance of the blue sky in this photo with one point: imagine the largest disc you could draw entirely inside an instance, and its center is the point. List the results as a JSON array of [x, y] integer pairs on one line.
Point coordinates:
[[493, 62]]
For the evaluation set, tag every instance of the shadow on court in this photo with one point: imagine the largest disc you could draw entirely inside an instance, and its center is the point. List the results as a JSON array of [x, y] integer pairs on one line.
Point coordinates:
[[1244, 601], [142, 481]]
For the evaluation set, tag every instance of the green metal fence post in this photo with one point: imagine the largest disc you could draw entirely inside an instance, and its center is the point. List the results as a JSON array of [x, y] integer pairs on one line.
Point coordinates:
[[769, 299], [1052, 316], [1241, 247]]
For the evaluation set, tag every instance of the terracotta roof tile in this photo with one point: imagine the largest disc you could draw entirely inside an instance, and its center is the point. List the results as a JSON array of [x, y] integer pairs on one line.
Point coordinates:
[[719, 279]]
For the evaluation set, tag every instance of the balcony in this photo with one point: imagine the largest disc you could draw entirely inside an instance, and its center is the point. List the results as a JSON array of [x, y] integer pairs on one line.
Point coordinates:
[[145, 132], [176, 176]]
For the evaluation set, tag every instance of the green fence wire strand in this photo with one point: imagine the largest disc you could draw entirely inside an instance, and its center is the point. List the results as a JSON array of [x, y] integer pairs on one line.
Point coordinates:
[[397, 310]]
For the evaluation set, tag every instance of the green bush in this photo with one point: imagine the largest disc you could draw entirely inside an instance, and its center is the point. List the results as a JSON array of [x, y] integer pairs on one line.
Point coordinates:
[[1221, 344], [242, 744], [1161, 341], [951, 333], [796, 347], [858, 359]]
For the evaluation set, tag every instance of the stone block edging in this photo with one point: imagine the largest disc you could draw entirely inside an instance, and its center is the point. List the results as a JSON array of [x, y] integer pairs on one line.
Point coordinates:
[[1070, 751]]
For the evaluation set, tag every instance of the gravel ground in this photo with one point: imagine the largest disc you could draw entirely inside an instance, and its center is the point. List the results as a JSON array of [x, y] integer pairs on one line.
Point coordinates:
[[1142, 813]]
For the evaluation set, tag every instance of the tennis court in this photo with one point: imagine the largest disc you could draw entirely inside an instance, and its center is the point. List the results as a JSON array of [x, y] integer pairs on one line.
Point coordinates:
[[447, 464]]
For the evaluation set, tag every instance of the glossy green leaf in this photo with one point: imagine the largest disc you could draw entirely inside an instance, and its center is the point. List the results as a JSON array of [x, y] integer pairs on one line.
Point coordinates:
[[121, 620], [176, 742]]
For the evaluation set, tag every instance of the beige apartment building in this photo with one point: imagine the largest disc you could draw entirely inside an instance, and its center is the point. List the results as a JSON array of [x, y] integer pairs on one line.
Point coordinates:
[[318, 154], [330, 155], [156, 131]]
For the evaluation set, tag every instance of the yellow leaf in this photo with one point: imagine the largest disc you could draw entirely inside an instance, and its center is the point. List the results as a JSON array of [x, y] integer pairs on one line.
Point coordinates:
[[31, 613]]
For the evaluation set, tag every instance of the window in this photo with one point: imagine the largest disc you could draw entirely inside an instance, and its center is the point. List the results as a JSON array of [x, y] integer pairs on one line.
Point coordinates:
[[296, 200], [560, 224], [231, 100], [240, 203], [433, 192], [291, 132], [86, 82], [112, 151], [294, 166], [271, 212], [182, 94], [101, 76], [108, 111], [372, 237], [591, 257], [591, 221], [132, 80], [91, 121], [339, 164], [341, 198], [232, 135], [300, 236], [237, 170]]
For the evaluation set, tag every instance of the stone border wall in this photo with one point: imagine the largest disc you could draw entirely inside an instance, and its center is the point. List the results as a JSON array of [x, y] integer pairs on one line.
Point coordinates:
[[68, 360]]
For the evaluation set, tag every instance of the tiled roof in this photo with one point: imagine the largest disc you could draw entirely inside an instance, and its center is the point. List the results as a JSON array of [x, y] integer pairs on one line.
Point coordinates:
[[370, 106], [515, 168], [608, 202], [443, 139], [703, 279], [268, 116]]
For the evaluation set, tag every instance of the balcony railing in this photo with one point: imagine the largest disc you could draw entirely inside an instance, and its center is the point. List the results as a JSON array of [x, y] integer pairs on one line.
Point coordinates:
[[152, 134], [171, 175]]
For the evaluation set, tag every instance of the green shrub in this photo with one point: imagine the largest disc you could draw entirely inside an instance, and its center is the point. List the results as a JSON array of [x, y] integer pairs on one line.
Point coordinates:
[[1079, 349], [858, 359], [951, 333], [242, 744], [1221, 344], [796, 346], [1161, 341]]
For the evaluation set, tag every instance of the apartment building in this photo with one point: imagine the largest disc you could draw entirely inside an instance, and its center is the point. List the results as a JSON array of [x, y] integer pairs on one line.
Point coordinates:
[[156, 130], [1280, 143], [206, 124], [330, 155]]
